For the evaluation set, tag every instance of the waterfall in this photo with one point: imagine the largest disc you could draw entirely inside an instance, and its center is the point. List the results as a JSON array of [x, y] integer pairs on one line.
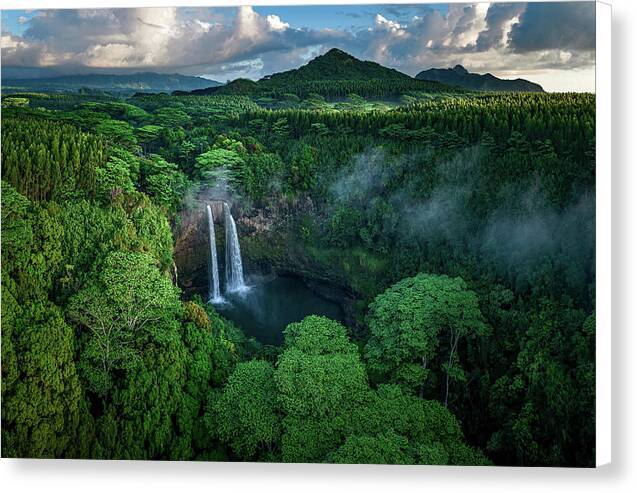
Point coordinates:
[[234, 266], [214, 293]]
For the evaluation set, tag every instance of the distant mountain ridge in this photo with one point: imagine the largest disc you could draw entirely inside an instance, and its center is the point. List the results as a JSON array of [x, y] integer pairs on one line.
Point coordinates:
[[460, 77], [118, 83], [238, 87]]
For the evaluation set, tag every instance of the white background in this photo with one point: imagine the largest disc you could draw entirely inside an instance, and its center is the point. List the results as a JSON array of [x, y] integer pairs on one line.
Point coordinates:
[[621, 475]]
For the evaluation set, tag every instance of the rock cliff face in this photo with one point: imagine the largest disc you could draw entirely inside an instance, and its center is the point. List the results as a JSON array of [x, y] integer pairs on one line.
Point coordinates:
[[268, 248], [192, 251]]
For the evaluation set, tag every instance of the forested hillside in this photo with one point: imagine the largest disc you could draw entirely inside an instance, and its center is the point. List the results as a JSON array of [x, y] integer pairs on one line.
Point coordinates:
[[334, 75], [456, 230]]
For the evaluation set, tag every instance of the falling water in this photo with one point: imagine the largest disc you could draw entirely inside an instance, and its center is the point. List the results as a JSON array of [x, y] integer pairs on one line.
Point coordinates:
[[234, 266], [214, 292]]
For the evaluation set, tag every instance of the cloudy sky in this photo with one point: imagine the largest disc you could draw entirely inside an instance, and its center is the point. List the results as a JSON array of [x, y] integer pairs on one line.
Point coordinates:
[[550, 43]]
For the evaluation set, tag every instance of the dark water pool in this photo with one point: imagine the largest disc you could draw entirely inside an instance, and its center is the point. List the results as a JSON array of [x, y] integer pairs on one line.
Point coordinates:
[[270, 305]]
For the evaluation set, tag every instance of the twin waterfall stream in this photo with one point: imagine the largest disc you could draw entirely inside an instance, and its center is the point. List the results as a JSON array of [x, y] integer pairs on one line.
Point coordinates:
[[234, 266], [269, 303]]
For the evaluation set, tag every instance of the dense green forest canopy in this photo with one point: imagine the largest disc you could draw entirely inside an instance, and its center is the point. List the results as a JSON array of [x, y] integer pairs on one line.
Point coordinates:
[[461, 225]]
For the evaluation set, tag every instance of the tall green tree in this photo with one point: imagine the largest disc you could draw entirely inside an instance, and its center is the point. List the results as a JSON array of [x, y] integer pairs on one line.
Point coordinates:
[[418, 323], [128, 298], [44, 409], [245, 414], [320, 380], [216, 162]]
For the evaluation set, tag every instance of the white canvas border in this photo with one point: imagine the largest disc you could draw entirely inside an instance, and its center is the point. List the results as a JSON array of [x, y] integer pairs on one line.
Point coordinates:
[[603, 170]]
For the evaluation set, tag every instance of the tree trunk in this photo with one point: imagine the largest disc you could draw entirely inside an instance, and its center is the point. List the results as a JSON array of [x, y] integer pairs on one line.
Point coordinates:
[[452, 349]]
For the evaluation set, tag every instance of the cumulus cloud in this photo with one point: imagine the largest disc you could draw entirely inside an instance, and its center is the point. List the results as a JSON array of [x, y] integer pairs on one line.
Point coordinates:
[[19, 52], [500, 19], [151, 38], [543, 26], [486, 37], [501, 38]]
